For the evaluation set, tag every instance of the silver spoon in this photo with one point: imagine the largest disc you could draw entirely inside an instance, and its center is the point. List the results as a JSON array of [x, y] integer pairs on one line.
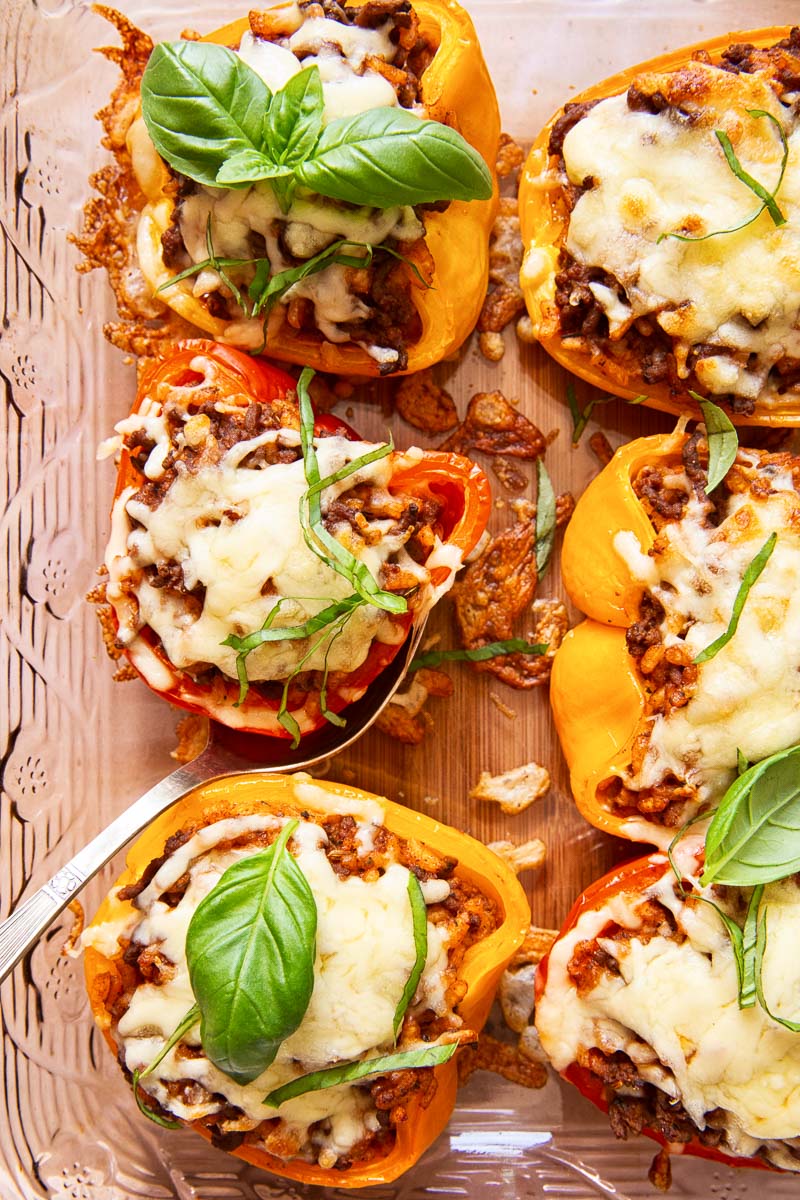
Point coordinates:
[[227, 752]]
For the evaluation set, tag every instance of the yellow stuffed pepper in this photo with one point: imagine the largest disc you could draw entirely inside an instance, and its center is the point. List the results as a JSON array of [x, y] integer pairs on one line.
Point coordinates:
[[289, 966], [659, 216], [319, 187], [688, 665]]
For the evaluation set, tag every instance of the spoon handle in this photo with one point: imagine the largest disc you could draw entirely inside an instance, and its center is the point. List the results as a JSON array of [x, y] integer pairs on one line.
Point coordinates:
[[31, 918]]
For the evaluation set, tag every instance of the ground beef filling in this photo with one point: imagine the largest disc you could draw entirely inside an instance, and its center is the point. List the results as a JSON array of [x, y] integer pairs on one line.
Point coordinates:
[[669, 675], [384, 286], [468, 915], [634, 1104], [415, 517], [645, 343]]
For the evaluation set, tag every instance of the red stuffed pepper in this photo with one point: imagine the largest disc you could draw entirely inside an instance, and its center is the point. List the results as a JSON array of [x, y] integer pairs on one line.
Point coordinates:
[[265, 565], [639, 1005]]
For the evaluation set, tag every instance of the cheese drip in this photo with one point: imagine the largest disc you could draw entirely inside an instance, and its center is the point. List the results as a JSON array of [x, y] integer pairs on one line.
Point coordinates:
[[673, 1010], [655, 173], [365, 953], [747, 696]]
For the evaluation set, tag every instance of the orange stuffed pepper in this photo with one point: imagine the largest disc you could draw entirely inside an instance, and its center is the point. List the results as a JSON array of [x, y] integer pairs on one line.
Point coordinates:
[[315, 184], [264, 564], [638, 1006], [651, 267], [289, 967], [689, 661]]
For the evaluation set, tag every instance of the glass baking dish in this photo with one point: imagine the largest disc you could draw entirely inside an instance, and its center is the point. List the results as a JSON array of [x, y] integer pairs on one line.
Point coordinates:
[[77, 747]]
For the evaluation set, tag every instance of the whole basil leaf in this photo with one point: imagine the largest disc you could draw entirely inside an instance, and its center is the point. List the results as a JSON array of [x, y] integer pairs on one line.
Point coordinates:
[[387, 156], [419, 918], [294, 121], [250, 950], [755, 835], [723, 441], [202, 105], [401, 1060]]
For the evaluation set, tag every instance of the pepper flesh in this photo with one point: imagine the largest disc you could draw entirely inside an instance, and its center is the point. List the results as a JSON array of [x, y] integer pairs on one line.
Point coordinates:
[[596, 693], [457, 90], [544, 220], [480, 969], [456, 482], [634, 877]]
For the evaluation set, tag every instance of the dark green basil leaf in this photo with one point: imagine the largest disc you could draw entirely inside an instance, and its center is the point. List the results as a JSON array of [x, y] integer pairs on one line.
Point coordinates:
[[479, 654], [723, 441], [545, 518], [761, 945], [754, 569], [202, 105], [294, 121], [419, 917], [402, 1060], [387, 156], [248, 166], [250, 950], [755, 835]]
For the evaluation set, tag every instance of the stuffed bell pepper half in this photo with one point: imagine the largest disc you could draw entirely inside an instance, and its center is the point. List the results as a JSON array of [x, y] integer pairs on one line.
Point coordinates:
[[265, 565], [315, 181], [289, 967], [659, 211], [687, 668]]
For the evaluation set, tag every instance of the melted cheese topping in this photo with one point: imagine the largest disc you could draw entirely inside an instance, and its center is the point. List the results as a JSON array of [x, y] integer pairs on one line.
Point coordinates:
[[747, 696], [364, 955], [659, 173], [673, 1010], [235, 531], [349, 87]]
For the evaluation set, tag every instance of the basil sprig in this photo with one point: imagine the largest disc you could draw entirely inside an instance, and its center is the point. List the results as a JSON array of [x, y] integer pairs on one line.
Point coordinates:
[[545, 518], [723, 441], [419, 919], [266, 289], [752, 572], [479, 654], [754, 837], [401, 1060], [250, 951], [212, 118], [767, 197], [190, 1020]]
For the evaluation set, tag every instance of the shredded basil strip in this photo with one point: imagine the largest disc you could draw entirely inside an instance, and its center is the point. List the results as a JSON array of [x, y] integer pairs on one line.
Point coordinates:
[[753, 571], [402, 1060], [761, 945], [419, 918], [747, 979], [191, 1019], [755, 835], [545, 518], [250, 951], [285, 718], [723, 441], [580, 417], [479, 654], [317, 537], [768, 198]]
